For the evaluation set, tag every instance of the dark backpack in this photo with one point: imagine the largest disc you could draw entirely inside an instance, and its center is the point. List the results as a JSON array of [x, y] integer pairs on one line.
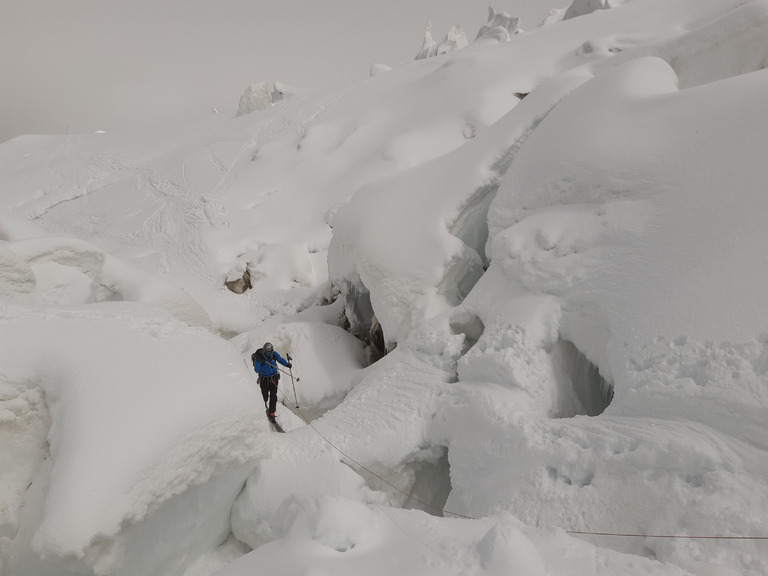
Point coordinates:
[[261, 357]]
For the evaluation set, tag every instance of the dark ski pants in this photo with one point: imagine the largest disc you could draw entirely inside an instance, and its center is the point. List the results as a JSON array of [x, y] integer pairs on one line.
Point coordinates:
[[269, 391]]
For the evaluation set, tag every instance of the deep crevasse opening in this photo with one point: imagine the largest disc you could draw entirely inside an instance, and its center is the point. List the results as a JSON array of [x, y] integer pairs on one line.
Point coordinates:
[[594, 392], [431, 486]]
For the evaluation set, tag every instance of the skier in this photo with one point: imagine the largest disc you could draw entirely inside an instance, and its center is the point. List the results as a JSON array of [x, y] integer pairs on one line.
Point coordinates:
[[265, 361]]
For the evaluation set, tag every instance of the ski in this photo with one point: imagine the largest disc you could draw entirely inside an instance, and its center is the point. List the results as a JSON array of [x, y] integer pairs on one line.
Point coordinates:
[[275, 425]]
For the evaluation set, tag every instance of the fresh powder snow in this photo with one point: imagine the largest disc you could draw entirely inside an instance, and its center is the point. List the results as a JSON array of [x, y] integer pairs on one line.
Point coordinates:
[[521, 277]]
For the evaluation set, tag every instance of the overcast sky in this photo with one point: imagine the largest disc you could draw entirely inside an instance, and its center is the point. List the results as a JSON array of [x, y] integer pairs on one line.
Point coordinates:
[[84, 65]]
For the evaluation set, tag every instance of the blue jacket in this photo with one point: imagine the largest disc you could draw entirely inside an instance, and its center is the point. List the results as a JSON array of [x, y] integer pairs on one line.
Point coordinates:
[[265, 365]]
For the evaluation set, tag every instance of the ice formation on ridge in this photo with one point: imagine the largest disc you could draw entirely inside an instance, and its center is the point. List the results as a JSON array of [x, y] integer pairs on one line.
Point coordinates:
[[455, 39], [501, 26]]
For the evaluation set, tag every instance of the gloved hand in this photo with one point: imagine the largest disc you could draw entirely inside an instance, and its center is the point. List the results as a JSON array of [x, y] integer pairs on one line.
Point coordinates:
[[289, 365]]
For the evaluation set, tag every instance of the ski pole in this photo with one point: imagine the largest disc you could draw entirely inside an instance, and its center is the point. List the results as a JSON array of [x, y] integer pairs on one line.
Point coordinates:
[[293, 381]]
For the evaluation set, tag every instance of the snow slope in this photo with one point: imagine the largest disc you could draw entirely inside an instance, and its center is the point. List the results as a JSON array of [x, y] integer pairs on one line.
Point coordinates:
[[557, 237]]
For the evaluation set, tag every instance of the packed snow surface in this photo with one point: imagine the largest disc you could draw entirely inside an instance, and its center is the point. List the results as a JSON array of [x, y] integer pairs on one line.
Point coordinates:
[[522, 280]]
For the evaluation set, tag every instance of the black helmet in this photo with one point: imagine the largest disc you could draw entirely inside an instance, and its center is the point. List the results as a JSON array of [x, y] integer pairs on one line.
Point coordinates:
[[268, 348]]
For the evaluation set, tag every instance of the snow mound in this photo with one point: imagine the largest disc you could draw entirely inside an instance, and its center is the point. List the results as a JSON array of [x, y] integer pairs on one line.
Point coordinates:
[[676, 440], [258, 513], [71, 271], [334, 535], [584, 256], [439, 254], [146, 417]]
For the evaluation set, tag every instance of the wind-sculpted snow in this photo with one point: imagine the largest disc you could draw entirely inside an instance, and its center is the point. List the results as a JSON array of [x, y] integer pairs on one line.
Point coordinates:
[[583, 250], [605, 218], [583, 7], [412, 276], [721, 45], [664, 466], [257, 514], [455, 39], [589, 245], [15, 274], [335, 535], [67, 271], [150, 423], [560, 234], [501, 26], [24, 424]]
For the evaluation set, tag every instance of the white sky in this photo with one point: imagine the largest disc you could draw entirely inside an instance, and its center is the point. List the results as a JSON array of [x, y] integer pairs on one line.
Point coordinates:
[[86, 65]]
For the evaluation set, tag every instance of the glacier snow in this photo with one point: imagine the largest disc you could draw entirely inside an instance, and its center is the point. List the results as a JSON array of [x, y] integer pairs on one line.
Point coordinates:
[[522, 279]]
